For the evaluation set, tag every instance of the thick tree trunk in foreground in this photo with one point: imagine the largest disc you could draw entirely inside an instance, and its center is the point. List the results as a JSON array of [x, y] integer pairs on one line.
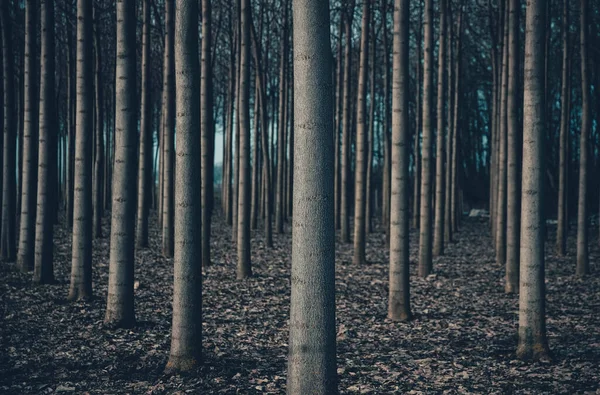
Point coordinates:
[[583, 262], [26, 257], [399, 294], [312, 348], [119, 304], [532, 296], [186, 330], [425, 232], [360, 172], [145, 180], [81, 263]]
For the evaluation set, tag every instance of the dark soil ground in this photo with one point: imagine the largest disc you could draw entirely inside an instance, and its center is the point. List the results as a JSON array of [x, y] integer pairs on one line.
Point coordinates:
[[462, 340]]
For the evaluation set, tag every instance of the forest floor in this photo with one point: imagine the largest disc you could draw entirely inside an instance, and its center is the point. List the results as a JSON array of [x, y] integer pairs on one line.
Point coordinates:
[[462, 340]]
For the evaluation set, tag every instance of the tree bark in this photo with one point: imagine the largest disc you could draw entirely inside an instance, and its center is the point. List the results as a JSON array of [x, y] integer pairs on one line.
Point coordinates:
[[583, 264], [425, 236], [532, 319], [281, 126], [361, 141], [119, 304], [186, 330], [312, 348], [145, 164], [81, 263], [98, 205], [244, 268], [399, 293], [26, 252]]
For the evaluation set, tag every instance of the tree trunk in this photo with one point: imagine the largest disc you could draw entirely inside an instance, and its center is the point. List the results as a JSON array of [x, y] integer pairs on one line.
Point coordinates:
[[72, 111], [145, 151], [583, 264], [399, 293], [281, 126], [456, 214], [449, 111], [9, 181], [425, 242], [513, 176], [361, 141], [339, 93], [81, 264], [255, 159], [346, 127], [244, 268], [26, 257], [169, 132], [532, 320], [562, 225], [119, 304], [370, 138], [440, 187], [312, 348], [186, 330], [419, 115], [98, 205]]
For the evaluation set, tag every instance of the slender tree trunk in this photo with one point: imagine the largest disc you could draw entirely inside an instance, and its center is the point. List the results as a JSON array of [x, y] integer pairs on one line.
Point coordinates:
[[244, 268], [419, 115], [312, 348], [169, 132], [455, 213], [513, 176], [449, 111], [583, 264], [9, 180], [562, 226], [346, 127], [81, 263], [255, 160], [26, 257], [119, 304], [501, 205], [532, 315], [361, 141], [339, 93], [145, 151], [370, 138], [72, 110], [186, 330], [281, 126], [99, 157], [425, 236], [44, 231], [440, 187], [229, 137], [207, 127], [399, 294]]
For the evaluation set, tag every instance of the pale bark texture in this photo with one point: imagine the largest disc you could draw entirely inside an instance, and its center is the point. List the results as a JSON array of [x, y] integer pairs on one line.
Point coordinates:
[[207, 127], [26, 257], [312, 347], [513, 175], [81, 261], [399, 294], [583, 260], [119, 304], [501, 204], [244, 268], [186, 330], [44, 231], [532, 295], [562, 224], [425, 230], [346, 127], [360, 172], [145, 165], [9, 180], [99, 124], [169, 133], [440, 180]]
